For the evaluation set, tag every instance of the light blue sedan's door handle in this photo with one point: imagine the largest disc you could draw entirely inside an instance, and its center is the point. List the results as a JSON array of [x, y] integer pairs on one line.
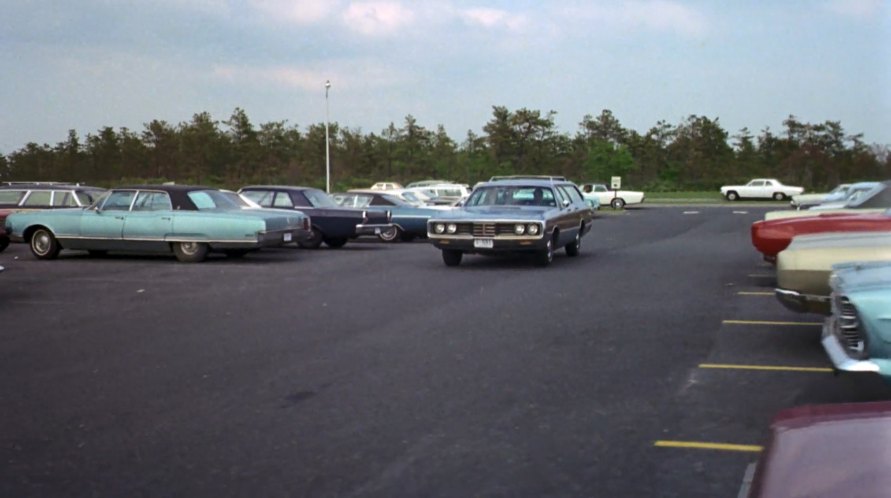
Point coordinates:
[[166, 218], [119, 217]]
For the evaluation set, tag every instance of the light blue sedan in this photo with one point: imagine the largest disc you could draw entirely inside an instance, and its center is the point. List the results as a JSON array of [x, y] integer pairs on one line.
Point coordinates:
[[187, 221]]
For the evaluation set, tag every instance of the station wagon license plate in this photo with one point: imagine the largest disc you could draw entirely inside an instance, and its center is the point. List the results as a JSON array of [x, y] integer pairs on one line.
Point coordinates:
[[287, 237], [483, 243]]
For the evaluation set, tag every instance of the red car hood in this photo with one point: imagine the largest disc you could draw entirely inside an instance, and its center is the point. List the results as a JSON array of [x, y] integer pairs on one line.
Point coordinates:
[[771, 237], [827, 451]]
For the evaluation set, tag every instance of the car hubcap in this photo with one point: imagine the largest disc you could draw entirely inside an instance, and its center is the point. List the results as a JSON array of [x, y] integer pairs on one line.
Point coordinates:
[[189, 247], [41, 243]]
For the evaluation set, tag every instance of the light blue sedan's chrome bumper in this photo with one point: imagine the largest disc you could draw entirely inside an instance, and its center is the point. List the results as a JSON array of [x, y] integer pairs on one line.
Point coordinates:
[[837, 355], [281, 237]]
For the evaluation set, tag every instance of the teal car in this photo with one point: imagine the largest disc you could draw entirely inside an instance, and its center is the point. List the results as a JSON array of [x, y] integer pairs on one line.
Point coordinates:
[[857, 336], [187, 221], [536, 216]]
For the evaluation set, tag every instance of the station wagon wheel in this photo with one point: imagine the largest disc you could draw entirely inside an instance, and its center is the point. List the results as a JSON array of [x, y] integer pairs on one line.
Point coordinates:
[[190, 252], [390, 234], [313, 241], [451, 257], [778, 196], [732, 196], [572, 249], [617, 203], [44, 244], [336, 243], [545, 257]]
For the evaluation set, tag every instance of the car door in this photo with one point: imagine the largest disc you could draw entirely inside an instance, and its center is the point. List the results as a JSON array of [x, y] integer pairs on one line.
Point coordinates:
[[149, 222], [101, 228], [753, 189], [567, 214]]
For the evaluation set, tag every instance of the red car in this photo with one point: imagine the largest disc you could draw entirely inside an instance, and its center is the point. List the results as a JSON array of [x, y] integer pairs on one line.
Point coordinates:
[[824, 451], [772, 236]]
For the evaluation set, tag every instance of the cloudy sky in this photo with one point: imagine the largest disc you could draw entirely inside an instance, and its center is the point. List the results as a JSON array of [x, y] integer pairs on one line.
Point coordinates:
[[87, 64]]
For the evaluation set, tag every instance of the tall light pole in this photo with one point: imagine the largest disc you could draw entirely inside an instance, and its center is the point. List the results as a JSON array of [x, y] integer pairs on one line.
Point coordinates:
[[327, 146]]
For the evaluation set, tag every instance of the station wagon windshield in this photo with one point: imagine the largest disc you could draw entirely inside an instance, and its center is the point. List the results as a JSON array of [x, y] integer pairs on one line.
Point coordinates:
[[512, 196]]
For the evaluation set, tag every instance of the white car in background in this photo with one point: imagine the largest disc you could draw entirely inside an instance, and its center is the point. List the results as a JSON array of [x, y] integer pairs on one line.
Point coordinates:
[[760, 188], [616, 199]]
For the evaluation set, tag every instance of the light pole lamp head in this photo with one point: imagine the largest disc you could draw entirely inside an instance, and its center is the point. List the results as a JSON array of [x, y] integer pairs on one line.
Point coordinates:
[[327, 84]]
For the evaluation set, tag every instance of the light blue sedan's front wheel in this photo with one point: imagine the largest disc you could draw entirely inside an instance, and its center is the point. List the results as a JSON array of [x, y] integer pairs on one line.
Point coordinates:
[[44, 244], [190, 252]]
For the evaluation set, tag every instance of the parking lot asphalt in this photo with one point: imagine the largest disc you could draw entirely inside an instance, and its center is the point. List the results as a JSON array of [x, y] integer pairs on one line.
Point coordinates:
[[650, 365]]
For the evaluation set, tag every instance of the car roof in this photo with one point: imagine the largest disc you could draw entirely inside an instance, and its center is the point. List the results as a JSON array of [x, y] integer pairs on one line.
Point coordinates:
[[294, 188], [46, 186], [524, 182]]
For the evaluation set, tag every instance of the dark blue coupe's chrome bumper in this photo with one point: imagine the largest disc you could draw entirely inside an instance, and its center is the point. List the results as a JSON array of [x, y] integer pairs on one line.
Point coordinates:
[[373, 229]]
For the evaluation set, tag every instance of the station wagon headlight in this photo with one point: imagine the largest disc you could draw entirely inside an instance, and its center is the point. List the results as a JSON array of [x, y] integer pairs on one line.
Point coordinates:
[[532, 229], [519, 229], [439, 228], [452, 228]]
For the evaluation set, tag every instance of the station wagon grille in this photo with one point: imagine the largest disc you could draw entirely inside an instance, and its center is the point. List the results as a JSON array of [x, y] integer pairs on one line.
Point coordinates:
[[847, 328], [484, 229]]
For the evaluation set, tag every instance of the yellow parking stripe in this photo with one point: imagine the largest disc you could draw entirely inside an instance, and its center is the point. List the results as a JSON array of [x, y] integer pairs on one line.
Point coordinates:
[[708, 446], [775, 368], [764, 322], [750, 293]]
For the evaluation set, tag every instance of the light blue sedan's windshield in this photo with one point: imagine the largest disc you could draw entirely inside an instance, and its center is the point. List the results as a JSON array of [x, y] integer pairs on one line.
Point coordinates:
[[511, 196]]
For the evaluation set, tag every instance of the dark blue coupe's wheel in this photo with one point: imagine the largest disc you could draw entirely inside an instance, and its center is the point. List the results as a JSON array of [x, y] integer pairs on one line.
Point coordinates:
[[390, 234]]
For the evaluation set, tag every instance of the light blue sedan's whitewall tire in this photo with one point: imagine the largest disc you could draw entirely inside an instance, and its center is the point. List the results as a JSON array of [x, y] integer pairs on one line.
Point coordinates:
[[44, 244], [190, 252]]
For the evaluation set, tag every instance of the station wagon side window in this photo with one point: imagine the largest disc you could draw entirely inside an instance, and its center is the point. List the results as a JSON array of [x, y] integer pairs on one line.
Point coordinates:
[[64, 199], [38, 198], [12, 197], [282, 200], [568, 192], [119, 201], [152, 201]]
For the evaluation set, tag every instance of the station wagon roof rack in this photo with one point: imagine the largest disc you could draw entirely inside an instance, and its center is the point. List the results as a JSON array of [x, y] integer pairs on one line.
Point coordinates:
[[552, 178]]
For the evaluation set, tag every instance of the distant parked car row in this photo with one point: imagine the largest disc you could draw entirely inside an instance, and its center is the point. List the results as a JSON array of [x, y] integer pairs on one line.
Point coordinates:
[[535, 215]]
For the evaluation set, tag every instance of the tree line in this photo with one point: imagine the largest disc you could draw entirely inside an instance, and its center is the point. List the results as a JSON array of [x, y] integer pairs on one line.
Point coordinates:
[[696, 154]]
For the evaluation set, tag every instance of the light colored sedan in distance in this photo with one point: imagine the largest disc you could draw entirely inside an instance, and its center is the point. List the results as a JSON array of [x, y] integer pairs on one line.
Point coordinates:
[[616, 199], [760, 188]]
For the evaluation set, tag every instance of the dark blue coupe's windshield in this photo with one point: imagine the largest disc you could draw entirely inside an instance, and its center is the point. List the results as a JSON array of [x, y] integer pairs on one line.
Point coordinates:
[[211, 199], [511, 196]]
